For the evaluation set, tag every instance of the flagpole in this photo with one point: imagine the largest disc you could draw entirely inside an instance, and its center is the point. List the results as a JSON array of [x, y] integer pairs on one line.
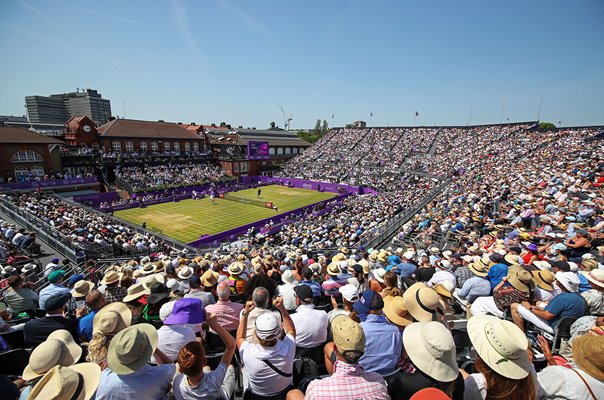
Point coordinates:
[[539, 112], [502, 111]]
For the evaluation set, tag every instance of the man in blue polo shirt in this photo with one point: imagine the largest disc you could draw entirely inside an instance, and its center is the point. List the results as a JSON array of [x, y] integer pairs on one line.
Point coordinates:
[[383, 342], [567, 304]]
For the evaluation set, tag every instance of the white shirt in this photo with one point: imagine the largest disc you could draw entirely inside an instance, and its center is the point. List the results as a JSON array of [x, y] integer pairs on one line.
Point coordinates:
[[558, 382], [251, 322], [311, 326], [287, 291], [441, 276], [262, 380], [171, 338]]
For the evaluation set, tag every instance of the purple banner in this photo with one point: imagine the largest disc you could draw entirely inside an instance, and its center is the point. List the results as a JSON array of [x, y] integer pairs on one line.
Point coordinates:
[[48, 184], [306, 184]]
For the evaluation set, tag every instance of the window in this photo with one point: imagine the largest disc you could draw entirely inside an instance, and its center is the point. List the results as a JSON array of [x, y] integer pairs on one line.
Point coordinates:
[[279, 150], [129, 146], [177, 147], [117, 146], [288, 150], [295, 150], [195, 147], [236, 167], [167, 146], [154, 146], [301, 150], [21, 174], [37, 170], [26, 156], [244, 167], [143, 146], [187, 148], [271, 151]]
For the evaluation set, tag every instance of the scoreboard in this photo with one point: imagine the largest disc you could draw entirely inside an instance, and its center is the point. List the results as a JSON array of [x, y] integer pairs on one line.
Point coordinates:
[[257, 150]]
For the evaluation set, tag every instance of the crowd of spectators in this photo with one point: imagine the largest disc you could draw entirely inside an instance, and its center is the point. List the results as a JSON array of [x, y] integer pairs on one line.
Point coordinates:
[[152, 177]]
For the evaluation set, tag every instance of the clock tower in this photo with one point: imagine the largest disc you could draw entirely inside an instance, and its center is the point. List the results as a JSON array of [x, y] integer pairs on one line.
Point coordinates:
[[80, 131]]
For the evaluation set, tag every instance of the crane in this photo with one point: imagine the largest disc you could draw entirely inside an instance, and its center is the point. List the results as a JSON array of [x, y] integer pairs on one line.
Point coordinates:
[[286, 119]]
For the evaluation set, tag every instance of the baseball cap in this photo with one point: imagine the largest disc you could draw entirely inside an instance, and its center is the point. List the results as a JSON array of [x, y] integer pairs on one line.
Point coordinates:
[[307, 273], [562, 265], [348, 335], [304, 293], [267, 326], [569, 280], [349, 292], [57, 301], [55, 276], [194, 280], [368, 301]]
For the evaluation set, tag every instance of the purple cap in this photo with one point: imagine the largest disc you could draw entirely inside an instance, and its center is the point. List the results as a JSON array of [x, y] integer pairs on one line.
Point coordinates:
[[186, 311], [532, 247]]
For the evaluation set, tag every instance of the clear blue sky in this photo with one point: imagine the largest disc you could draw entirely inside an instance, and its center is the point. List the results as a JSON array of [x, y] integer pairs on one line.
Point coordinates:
[[234, 61]]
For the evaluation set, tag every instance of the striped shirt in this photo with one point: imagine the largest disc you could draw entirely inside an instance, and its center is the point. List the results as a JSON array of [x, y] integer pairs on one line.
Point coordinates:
[[227, 313]]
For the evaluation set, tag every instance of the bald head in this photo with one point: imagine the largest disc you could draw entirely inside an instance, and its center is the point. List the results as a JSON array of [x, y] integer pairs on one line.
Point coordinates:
[[223, 290]]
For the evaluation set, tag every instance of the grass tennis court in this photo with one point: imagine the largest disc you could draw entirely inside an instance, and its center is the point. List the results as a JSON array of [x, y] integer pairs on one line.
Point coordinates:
[[187, 220]]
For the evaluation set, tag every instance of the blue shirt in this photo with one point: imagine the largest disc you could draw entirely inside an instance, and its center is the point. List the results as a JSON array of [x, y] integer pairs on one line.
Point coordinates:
[[85, 326], [405, 270], [315, 286], [149, 382], [383, 345], [475, 287], [50, 290], [584, 286], [566, 305], [496, 274]]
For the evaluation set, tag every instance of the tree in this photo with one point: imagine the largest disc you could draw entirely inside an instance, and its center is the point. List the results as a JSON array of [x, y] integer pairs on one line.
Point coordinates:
[[324, 128], [546, 125], [317, 127]]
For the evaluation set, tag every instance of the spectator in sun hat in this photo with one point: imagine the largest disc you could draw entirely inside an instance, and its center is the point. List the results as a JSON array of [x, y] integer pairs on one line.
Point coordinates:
[[396, 311], [175, 333], [19, 295], [567, 304], [55, 278], [236, 277], [503, 364], [544, 289], [333, 283], [58, 349], [383, 339], [159, 294], [519, 288], [77, 382], [286, 290], [196, 291], [422, 302], [128, 375], [311, 324], [429, 360], [349, 379], [584, 381], [594, 298], [496, 271], [107, 322], [37, 330], [269, 362], [112, 291]]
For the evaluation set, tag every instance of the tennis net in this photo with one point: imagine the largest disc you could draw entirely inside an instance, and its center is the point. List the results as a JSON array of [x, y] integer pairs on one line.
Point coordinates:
[[244, 200]]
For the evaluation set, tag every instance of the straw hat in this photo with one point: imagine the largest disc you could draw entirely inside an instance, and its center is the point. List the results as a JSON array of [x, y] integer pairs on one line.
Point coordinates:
[[131, 348], [110, 277], [378, 274], [588, 354], [544, 279], [522, 280], [134, 292], [338, 257], [149, 280], [512, 259], [478, 269], [209, 278], [366, 268], [77, 382], [542, 265], [185, 273], [111, 319], [334, 269], [501, 345], [236, 268], [149, 268], [444, 289], [58, 349], [596, 277], [373, 256], [81, 288], [382, 256], [421, 301], [396, 312], [431, 348]]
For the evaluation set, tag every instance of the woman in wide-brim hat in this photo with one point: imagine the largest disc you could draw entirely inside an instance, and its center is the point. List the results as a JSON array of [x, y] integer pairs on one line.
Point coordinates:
[[58, 349], [107, 322], [77, 382], [422, 302], [503, 361]]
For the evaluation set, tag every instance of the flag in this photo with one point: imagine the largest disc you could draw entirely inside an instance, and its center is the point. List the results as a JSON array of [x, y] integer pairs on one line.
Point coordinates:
[[371, 115], [416, 114]]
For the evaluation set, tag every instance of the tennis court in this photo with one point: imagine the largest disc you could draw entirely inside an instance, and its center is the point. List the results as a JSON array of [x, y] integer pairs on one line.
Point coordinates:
[[187, 220]]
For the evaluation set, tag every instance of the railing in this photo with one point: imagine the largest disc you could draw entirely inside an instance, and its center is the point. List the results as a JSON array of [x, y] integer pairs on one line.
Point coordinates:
[[387, 232], [44, 232]]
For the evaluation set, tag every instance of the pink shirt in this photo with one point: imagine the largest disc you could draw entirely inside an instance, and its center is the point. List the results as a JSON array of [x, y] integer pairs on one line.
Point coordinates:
[[227, 313]]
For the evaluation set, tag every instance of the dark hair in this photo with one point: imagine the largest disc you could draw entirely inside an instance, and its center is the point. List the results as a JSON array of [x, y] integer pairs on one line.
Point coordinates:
[[352, 356], [14, 280], [260, 280], [191, 358]]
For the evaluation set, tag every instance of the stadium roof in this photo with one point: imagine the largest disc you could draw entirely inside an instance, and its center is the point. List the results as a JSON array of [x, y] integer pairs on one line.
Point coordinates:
[[146, 129], [18, 135]]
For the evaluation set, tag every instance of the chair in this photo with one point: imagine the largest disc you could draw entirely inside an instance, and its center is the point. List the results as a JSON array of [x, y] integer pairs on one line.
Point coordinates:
[[304, 367], [561, 331], [237, 298], [395, 384], [17, 321], [314, 353], [13, 362], [14, 339]]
